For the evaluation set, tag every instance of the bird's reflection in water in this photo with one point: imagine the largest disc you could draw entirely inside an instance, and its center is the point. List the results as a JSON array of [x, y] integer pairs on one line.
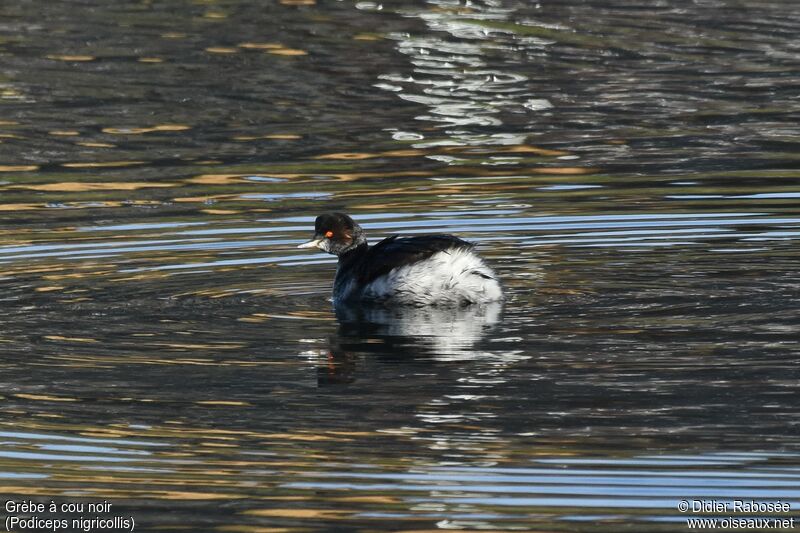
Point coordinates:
[[405, 334]]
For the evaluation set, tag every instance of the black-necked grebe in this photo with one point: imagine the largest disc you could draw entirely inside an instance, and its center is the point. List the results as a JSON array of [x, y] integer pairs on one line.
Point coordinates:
[[424, 270]]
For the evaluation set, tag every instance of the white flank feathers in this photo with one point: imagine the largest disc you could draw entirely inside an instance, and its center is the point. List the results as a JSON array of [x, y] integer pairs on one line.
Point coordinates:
[[448, 278]]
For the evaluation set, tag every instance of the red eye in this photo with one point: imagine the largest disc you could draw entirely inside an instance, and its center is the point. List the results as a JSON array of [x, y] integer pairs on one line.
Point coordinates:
[[329, 234]]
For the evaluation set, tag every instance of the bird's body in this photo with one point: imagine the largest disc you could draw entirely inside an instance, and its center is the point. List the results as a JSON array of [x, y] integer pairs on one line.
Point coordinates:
[[423, 270]]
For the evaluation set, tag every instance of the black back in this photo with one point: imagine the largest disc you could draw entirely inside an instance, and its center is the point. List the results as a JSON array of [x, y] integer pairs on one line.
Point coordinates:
[[395, 252]]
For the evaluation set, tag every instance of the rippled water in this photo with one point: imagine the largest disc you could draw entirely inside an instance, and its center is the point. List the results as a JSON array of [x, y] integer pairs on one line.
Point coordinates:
[[629, 169]]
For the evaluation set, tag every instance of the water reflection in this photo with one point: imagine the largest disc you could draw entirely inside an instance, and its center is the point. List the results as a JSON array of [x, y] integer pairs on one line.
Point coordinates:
[[454, 75], [439, 331], [606, 490], [404, 335]]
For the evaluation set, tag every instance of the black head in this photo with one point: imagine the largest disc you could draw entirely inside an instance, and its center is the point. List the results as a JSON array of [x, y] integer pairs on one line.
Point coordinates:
[[335, 233]]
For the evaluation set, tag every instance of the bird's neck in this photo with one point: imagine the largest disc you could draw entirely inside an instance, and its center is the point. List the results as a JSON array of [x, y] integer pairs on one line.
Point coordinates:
[[358, 243], [352, 254]]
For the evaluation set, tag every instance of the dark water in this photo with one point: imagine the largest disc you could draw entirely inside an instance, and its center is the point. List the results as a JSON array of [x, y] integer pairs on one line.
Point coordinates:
[[629, 168]]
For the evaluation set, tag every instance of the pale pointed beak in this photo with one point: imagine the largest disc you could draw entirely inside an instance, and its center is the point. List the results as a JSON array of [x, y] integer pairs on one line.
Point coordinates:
[[314, 243]]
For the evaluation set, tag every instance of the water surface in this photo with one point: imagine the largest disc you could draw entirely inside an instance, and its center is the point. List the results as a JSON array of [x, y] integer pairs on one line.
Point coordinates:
[[630, 171]]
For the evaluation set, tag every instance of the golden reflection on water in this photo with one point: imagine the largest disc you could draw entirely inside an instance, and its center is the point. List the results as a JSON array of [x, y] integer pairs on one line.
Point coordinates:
[[367, 37], [221, 179], [301, 513], [44, 397], [83, 186], [104, 164], [269, 136], [18, 168], [287, 52], [70, 339], [151, 129], [220, 211], [223, 403], [221, 50], [71, 58], [260, 529], [260, 46], [96, 145], [49, 288], [341, 167], [307, 314]]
